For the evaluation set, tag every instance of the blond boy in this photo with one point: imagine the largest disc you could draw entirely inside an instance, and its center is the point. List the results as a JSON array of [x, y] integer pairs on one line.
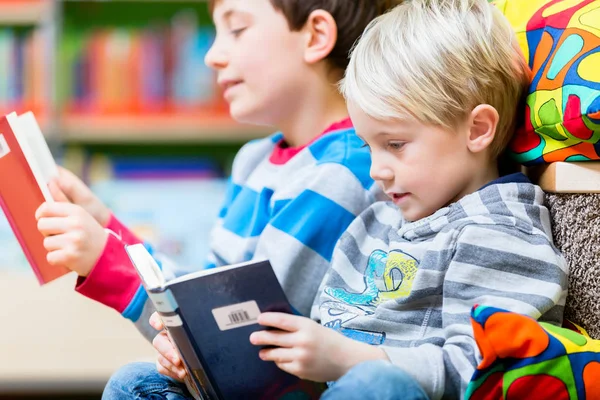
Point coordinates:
[[433, 88]]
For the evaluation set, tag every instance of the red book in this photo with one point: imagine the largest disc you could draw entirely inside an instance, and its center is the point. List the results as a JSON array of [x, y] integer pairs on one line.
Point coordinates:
[[26, 165]]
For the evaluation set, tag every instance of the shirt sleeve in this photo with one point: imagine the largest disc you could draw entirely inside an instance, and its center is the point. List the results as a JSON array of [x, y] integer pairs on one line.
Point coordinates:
[[490, 265], [117, 227], [115, 283]]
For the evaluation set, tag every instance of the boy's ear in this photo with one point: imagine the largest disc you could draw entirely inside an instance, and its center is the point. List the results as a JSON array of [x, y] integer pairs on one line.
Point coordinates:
[[482, 127], [321, 31]]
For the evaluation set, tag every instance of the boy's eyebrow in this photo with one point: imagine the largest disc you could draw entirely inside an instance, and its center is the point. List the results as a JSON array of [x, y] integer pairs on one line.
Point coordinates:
[[230, 12], [380, 133], [227, 14]]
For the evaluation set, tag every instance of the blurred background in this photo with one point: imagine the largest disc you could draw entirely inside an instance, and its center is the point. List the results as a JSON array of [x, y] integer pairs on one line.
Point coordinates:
[[122, 94]]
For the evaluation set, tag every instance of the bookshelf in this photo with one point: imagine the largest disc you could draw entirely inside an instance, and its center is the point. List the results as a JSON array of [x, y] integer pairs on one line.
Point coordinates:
[[132, 71], [174, 129], [78, 88]]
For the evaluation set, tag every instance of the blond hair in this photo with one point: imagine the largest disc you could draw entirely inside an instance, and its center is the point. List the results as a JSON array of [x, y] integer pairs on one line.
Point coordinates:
[[436, 60]]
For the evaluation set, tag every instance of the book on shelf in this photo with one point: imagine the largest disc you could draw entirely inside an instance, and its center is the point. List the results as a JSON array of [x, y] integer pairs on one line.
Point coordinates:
[[567, 177], [210, 315], [26, 167], [23, 65]]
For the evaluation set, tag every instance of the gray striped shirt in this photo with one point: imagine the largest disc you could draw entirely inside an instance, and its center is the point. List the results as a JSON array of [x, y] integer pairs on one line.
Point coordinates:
[[409, 286]]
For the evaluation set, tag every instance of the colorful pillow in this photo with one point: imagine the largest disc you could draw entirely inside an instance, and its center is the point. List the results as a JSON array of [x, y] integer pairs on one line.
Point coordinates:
[[561, 41], [526, 359]]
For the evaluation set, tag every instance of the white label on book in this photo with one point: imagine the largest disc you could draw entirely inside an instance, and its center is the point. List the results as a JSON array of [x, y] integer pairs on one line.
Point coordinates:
[[172, 320], [236, 315], [163, 301], [4, 150]]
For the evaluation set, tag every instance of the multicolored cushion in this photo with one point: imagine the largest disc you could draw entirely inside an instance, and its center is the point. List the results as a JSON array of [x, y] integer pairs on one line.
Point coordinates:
[[561, 40], [526, 359]]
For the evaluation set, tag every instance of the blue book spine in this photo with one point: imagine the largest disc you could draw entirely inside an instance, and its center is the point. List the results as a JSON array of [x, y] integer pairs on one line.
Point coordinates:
[[19, 88]]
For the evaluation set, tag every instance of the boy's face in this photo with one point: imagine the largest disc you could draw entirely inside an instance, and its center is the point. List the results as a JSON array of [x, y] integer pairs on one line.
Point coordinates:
[[258, 59], [422, 168]]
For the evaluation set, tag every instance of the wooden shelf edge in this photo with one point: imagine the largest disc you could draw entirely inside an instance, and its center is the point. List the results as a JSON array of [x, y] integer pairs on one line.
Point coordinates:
[[151, 129], [567, 177], [23, 12]]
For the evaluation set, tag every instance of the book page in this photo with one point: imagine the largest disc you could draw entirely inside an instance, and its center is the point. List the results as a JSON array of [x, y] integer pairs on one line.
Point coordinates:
[[146, 266], [39, 148], [30, 155]]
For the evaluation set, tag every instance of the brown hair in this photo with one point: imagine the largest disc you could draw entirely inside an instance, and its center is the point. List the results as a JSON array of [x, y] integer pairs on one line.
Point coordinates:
[[351, 17]]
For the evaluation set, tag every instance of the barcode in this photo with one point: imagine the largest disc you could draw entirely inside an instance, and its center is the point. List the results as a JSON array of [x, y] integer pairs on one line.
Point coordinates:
[[238, 317]]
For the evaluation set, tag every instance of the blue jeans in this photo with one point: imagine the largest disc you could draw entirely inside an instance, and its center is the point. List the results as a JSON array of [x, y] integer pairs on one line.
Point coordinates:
[[142, 381], [373, 380]]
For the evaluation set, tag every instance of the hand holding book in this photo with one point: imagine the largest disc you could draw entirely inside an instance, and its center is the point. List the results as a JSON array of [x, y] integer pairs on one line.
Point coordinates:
[[36, 195], [26, 167], [72, 237], [168, 362], [67, 187], [209, 316], [308, 350]]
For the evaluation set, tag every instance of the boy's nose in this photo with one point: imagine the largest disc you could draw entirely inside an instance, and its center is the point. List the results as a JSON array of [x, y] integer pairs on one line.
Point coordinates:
[[380, 171], [215, 57]]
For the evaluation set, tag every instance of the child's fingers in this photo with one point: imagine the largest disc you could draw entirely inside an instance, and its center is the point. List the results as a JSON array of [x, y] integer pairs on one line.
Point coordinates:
[[277, 355], [168, 372], [289, 367], [177, 371], [56, 242], [272, 338], [55, 209], [163, 345], [285, 322], [73, 187], [52, 226], [156, 322], [58, 258], [56, 192]]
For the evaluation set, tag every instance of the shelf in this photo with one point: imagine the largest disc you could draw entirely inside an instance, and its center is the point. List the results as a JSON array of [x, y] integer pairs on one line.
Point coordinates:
[[156, 129], [567, 177], [23, 12]]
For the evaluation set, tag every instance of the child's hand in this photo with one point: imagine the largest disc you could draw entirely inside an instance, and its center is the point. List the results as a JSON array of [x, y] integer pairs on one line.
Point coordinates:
[[308, 350], [73, 238], [168, 362], [67, 187]]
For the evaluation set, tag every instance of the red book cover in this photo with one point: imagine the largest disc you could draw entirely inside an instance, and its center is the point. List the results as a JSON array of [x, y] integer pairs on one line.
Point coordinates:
[[20, 196]]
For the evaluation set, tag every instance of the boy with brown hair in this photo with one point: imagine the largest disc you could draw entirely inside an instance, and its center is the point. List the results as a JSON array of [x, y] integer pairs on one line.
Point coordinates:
[[291, 194]]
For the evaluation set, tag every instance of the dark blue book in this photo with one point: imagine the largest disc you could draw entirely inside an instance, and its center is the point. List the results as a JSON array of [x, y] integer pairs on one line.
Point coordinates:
[[210, 315]]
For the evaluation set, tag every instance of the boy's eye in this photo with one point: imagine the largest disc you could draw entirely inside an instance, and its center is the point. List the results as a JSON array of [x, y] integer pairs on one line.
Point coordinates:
[[365, 145], [237, 32], [396, 145]]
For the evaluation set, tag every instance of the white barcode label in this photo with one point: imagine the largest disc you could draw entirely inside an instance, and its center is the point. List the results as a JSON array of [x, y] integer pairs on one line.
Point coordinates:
[[236, 315], [4, 150]]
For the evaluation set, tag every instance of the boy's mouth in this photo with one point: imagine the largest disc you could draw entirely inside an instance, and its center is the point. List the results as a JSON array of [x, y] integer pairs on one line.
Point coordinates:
[[229, 83], [397, 198]]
